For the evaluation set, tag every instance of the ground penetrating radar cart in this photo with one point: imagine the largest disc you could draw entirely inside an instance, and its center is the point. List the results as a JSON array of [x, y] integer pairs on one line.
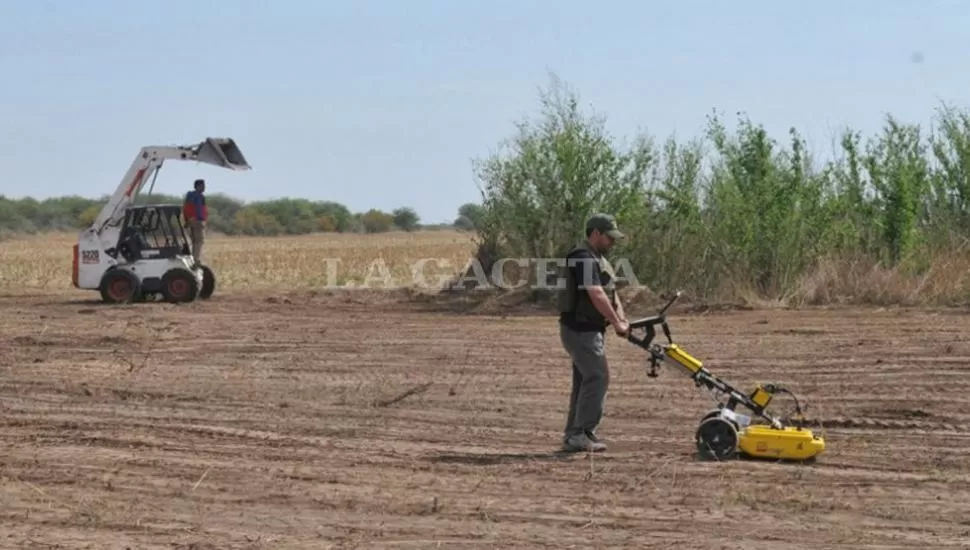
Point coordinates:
[[725, 432]]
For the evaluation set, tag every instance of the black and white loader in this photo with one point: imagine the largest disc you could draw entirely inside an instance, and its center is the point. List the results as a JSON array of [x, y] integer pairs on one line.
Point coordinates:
[[132, 252]]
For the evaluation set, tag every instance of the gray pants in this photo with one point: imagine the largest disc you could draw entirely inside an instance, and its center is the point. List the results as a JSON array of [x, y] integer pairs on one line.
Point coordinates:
[[197, 236], [591, 379]]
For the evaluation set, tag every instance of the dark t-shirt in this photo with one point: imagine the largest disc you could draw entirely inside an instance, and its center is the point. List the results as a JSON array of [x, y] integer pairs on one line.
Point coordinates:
[[583, 265]]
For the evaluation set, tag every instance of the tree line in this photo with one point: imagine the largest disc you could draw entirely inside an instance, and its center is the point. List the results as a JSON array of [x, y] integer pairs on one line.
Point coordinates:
[[285, 216], [736, 214]]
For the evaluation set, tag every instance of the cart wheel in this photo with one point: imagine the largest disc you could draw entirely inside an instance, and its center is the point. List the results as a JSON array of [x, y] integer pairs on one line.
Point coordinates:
[[179, 285], [711, 414], [208, 283], [717, 438], [119, 286]]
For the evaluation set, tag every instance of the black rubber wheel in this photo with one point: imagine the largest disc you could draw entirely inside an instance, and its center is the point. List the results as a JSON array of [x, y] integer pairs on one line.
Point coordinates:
[[717, 439], [119, 286], [208, 283], [179, 285]]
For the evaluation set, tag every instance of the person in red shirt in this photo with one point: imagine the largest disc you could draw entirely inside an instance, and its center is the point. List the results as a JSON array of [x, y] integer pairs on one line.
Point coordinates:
[[196, 215]]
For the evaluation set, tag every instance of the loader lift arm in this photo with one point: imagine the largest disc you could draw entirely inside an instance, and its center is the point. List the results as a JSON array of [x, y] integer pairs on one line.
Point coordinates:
[[221, 152]]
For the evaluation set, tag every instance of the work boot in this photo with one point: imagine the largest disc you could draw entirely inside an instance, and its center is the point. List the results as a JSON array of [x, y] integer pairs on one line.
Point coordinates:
[[582, 442], [598, 444]]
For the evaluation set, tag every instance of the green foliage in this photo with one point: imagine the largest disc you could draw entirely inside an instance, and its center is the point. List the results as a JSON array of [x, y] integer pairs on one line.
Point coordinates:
[[406, 218], [732, 212], [375, 221], [470, 216], [284, 216], [559, 170]]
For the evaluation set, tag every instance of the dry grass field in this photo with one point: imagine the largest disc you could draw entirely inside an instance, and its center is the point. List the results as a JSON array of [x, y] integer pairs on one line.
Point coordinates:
[[43, 262], [278, 416]]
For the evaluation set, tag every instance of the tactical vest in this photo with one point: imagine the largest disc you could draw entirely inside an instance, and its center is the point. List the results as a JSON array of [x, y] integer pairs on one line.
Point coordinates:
[[575, 301]]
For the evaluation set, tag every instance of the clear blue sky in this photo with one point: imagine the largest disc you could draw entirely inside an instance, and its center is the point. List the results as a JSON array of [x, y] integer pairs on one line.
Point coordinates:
[[386, 103]]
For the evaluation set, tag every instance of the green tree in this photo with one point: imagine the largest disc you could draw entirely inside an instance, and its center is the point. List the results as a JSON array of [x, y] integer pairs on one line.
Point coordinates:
[[557, 171], [406, 218], [376, 221], [469, 216]]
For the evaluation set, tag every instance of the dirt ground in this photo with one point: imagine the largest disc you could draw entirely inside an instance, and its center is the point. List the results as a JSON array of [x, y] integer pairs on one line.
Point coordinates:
[[318, 422]]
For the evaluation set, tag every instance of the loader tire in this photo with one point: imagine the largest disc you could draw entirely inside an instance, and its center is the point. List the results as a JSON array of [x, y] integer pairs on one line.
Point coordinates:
[[119, 286], [179, 285], [208, 283]]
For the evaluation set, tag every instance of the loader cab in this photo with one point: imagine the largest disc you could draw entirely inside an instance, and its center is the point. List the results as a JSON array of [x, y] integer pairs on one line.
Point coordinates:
[[153, 231]]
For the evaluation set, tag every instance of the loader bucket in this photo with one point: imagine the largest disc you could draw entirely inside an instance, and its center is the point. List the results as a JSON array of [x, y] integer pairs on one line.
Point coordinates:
[[222, 152]]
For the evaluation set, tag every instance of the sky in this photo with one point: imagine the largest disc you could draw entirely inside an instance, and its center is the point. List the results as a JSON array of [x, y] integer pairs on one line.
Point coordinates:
[[383, 104]]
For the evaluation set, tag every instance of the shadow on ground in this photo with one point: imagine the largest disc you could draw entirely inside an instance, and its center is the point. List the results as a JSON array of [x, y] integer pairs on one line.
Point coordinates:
[[490, 459]]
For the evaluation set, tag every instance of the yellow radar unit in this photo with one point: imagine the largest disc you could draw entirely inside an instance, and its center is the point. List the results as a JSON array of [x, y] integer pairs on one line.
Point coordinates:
[[725, 433]]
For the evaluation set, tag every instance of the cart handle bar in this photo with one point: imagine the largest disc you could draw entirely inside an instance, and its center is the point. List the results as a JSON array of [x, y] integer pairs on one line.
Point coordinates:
[[649, 324]]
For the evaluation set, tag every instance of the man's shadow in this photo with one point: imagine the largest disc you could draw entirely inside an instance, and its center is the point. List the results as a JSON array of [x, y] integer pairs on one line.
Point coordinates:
[[492, 459]]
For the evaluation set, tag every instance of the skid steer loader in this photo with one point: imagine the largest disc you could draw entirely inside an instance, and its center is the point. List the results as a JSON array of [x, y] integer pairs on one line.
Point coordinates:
[[132, 252]]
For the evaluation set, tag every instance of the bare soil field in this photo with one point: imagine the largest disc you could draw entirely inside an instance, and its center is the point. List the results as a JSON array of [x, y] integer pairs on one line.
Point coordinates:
[[310, 421]]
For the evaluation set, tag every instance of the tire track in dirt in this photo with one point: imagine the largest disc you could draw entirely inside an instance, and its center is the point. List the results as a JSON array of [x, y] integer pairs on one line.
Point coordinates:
[[888, 424]]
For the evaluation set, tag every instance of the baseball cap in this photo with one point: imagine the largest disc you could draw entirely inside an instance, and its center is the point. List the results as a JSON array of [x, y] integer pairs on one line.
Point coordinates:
[[605, 223]]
